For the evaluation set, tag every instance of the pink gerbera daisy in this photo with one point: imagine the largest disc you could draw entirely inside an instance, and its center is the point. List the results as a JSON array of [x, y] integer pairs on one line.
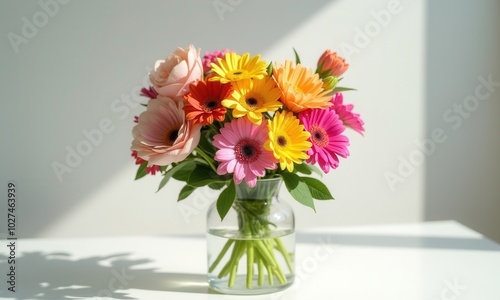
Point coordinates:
[[349, 118], [241, 151], [327, 139]]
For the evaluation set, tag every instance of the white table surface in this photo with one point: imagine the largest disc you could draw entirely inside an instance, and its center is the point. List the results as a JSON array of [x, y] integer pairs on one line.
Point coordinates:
[[435, 260]]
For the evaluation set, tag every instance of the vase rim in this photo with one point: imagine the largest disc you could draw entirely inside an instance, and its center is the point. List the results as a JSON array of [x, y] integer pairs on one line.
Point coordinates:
[[263, 188], [269, 179]]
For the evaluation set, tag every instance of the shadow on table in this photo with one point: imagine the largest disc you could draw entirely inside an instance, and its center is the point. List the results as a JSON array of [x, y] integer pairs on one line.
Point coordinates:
[[56, 276], [449, 243]]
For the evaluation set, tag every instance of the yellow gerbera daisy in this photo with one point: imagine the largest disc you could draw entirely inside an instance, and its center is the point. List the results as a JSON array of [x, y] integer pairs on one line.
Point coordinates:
[[300, 87], [237, 67], [251, 98], [287, 140]]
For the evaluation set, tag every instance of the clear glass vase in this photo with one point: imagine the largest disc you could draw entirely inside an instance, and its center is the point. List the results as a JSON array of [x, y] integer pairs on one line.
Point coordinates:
[[252, 250]]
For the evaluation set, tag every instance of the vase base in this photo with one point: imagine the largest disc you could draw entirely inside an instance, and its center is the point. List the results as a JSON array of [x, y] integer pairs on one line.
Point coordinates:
[[240, 288]]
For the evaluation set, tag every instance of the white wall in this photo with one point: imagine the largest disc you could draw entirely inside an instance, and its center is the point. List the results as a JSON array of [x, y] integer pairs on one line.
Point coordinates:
[[91, 55], [463, 172]]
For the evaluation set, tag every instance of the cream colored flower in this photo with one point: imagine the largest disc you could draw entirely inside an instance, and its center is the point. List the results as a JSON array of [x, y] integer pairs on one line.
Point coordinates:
[[172, 76], [163, 135]]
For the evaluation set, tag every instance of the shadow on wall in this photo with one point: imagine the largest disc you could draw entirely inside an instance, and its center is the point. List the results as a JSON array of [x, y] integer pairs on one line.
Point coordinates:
[[69, 63], [463, 93]]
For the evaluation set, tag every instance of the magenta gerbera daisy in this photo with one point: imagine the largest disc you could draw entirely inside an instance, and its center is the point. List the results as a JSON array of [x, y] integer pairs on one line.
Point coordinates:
[[349, 118], [327, 139], [241, 151], [211, 57]]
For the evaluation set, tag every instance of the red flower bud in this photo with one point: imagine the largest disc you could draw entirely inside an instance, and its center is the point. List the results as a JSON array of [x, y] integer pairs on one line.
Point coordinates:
[[330, 64]]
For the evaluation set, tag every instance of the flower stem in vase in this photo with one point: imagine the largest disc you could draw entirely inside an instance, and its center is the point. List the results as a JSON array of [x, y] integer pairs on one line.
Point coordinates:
[[256, 252]]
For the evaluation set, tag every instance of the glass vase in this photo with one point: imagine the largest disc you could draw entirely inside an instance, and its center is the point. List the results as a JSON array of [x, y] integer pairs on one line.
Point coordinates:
[[251, 251]]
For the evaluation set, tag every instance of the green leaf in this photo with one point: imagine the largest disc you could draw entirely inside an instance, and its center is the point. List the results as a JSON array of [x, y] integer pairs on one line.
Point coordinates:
[[297, 58], [183, 174], [142, 171], [315, 169], [319, 68], [203, 175], [302, 168], [270, 69], [206, 145], [225, 200], [168, 174], [342, 89], [307, 169], [217, 185], [318, 189], [298, 189], [185, 192]]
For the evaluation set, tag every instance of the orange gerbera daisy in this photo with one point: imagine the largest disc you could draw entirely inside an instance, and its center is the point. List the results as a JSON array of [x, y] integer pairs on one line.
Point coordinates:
[[300, 87], [204, 101]]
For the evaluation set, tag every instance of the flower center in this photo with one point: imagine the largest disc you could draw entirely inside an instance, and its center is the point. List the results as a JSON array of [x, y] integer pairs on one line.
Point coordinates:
[[210, 105], [298, 89], [170, 136], [281, 140], [246, 150], [251, 102], [319, 136], [237, 74]]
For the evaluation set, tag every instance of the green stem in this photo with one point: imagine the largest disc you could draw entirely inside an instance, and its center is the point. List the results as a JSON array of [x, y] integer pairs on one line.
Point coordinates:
[[260, 252], [250, 260], [277, 269], [260, 265], [207, 158], [220, 256], [234, 264], [232, 276], [264, 252], [225, 270], [270, 274], [227, 267], [254, 240], [213, 128], [282, 250], [279, 274]]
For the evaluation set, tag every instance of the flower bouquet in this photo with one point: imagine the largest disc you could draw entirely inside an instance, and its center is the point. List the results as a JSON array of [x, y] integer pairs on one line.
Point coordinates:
[[234, 122]]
